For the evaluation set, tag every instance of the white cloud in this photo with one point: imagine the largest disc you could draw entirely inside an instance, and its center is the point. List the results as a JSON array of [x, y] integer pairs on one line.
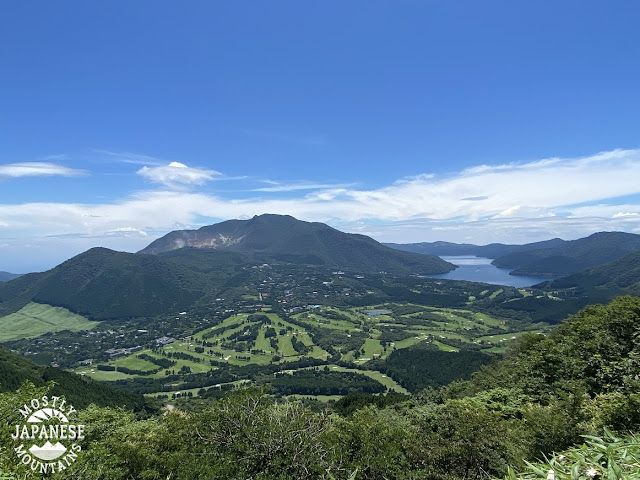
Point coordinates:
[[37, 169], [177, 174]]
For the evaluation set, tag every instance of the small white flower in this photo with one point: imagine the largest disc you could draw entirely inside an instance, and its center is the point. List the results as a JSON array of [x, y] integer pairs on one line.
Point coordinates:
[[592, 473], [561, 458], [551, 475]]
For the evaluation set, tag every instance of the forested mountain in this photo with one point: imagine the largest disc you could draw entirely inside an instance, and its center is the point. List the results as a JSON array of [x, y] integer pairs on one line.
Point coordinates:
[[604, 281], [572, 256], [285, 239], [101, 283], [493, 250]]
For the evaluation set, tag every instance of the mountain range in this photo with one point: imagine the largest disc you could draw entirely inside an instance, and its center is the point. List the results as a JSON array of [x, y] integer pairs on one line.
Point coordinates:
[[550, 258], [182, 267]]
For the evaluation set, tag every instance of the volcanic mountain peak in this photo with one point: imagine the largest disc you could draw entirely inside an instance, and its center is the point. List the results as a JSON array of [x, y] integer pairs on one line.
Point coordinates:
[[284, 238]]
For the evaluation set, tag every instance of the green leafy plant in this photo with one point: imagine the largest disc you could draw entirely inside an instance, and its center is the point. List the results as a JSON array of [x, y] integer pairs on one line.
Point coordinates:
[[351, 477], [605, 457]]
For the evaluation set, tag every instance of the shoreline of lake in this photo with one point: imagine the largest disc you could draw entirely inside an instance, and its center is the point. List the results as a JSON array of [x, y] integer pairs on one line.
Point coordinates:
[[479, 269]]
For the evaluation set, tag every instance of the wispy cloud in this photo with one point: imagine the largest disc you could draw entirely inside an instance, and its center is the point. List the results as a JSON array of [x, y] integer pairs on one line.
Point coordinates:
[[291, 187], [37, 169], [133, 158], [177, 174]]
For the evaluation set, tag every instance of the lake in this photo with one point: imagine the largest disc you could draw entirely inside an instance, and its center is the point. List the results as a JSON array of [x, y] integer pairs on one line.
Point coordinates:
[[478, 269]]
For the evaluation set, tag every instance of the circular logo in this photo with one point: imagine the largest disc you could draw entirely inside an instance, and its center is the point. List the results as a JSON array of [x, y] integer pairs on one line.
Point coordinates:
[[48, 431]]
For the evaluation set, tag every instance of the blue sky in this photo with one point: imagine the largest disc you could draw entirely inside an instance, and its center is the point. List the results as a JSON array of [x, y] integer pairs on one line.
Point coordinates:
[[467, 121]]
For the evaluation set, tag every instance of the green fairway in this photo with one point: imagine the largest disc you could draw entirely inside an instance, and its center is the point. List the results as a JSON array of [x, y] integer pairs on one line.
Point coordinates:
[[35, 319], [284, 346], [263, 343], [101, 375], [135, 363], [372, 348]]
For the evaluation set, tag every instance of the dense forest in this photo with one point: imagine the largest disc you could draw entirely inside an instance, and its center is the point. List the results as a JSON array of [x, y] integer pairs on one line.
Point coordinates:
[[578, 386]]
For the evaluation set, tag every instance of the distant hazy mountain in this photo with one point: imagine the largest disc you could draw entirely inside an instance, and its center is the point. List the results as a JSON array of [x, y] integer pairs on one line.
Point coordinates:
[[6, 276], [572, 256], [283, 238], [493, 250], [436, 248]]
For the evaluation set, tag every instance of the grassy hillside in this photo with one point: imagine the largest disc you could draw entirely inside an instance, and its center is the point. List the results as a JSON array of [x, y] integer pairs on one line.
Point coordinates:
[[35, 319]]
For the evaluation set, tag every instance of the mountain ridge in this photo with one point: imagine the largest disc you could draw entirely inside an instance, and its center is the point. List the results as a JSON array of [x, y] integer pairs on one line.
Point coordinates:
[[571, 256], [492, 250]]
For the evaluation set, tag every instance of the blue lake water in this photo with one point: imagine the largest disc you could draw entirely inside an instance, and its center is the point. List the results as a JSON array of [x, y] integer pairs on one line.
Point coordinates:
[[478, 269]]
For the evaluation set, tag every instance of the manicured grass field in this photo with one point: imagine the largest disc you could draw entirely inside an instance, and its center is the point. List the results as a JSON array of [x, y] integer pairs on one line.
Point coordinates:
[[36, 319], [320, 321], [284, 345], [263, 343]]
